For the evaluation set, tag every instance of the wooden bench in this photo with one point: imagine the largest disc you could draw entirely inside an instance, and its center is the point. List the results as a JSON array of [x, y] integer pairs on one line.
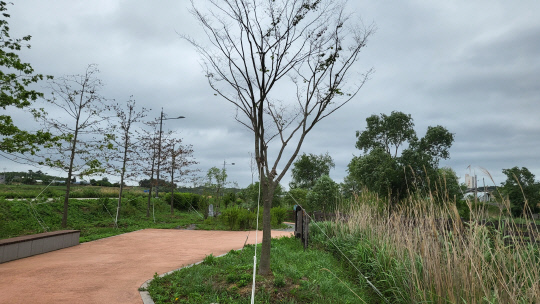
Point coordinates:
[[29, 245]]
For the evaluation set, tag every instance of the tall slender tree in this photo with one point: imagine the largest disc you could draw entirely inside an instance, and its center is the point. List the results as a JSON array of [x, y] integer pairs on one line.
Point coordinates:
[[217, 180], [77, 98], [177, 161], [283, 64], [123, 159], [148, 155]]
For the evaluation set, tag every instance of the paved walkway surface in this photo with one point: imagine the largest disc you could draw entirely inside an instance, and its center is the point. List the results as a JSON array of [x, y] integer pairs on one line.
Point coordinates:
[[111, 270]]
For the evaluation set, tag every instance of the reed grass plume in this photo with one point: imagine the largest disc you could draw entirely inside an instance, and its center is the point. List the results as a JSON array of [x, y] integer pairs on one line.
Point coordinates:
[[423, 252]]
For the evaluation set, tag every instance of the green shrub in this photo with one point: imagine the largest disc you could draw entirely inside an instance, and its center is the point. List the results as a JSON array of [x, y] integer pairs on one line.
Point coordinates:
[[246, 219], [278, 215], [239, 218], [230, 216], [184, 201], [229, 199], [279, 281]]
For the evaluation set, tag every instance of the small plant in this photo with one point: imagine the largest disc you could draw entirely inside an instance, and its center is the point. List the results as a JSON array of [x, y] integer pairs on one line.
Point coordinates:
[[278, 215], [209, 260], [242, 283], [279, 281], [232, 277]]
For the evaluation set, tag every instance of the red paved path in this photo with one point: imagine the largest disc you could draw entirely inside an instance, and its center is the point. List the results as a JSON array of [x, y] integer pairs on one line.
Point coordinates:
[[111, 270]]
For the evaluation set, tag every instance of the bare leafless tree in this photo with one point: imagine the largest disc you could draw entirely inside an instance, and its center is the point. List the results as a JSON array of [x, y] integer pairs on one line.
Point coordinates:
[[178, 158], [82, 109], [149, 139], [283, 65], [122, 159]]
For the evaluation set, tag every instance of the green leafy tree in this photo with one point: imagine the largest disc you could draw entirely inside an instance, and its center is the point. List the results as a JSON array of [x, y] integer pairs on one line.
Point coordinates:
[[323, 196], [522, 190], [384, 170], [448, 183], [251, 195], [15, 77], [386, 132], [104, 182], [307, 169], [295, 196], [217, 181], [378, 171]]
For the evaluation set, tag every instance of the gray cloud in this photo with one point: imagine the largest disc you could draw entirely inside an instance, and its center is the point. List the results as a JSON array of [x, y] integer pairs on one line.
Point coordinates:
[[472, 67]]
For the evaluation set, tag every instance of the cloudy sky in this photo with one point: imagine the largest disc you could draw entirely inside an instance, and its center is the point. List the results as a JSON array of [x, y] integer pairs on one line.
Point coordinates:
[[471, 66]]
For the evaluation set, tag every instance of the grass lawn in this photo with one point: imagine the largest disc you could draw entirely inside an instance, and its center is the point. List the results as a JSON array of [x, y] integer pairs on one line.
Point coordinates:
[[298, 276], [77, 191], [93, 217]]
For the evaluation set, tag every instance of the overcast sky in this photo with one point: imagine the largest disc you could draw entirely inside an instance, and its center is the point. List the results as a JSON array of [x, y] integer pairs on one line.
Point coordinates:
[[471, 66]]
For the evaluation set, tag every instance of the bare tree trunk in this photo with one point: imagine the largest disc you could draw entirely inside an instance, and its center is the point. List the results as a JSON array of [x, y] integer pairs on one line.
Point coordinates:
[[123, 173], [151, 178], [268, 193], [68, 188], [119, 200], [70, 173], [150, 191], [172, 191]]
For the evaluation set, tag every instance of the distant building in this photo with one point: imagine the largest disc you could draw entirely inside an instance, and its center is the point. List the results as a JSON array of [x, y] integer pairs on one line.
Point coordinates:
[[471, 181], [481, 196], [39, 182], [2, 179]]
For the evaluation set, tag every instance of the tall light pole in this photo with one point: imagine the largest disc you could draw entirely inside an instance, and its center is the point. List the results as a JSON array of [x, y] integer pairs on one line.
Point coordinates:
[[161, 119], [225, 163]]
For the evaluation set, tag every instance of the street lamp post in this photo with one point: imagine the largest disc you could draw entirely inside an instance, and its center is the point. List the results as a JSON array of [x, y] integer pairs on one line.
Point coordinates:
[[225, 163], [161, 119]]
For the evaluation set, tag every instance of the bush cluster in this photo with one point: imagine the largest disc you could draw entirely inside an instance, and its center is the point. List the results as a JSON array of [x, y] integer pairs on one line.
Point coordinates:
[[241, 219], [184, 201]]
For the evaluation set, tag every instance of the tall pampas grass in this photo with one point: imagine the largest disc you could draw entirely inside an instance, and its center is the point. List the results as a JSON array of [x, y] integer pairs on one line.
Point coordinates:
[[423, 252]]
